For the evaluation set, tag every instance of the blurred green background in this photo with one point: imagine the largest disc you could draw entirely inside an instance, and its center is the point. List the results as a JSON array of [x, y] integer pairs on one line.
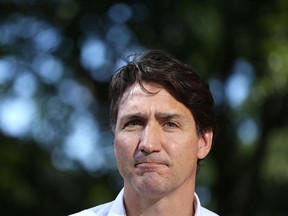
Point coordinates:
[[56, 60]]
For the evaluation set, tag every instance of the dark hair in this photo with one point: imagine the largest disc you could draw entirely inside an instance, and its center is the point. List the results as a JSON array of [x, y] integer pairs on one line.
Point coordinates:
[[159, 67]]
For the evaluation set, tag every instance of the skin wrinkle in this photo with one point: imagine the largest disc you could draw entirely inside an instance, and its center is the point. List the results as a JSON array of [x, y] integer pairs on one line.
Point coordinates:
[[156, 147]]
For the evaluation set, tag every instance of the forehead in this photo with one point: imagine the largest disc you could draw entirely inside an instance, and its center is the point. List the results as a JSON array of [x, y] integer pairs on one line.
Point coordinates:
[[145, 90], [152, 98]]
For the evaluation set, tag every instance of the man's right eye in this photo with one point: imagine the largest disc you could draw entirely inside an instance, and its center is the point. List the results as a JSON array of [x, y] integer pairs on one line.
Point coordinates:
[[133, 123]]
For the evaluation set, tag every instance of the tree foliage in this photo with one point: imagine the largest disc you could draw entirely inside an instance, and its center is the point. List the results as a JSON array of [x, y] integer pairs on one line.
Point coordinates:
[[56, 59]]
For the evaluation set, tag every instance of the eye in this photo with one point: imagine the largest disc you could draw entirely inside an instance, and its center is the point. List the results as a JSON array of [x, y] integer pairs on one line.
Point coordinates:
[[133, 123], [170, 124]]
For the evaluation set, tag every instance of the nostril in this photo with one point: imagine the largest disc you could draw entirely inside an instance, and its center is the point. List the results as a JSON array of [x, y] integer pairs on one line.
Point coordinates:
[[144, 152]]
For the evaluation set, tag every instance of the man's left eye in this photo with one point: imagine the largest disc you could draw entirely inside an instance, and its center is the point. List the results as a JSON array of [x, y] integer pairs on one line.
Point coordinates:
[[171, 124]]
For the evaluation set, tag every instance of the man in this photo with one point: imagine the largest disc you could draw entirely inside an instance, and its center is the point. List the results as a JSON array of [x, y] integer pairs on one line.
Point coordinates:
[[162, 119]]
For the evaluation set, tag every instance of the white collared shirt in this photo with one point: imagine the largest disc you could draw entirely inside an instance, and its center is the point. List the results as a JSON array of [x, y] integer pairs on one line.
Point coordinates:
[[116, 208]]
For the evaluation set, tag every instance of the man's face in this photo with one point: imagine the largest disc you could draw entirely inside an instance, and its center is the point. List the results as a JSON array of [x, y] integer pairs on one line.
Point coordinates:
[[156, 143]]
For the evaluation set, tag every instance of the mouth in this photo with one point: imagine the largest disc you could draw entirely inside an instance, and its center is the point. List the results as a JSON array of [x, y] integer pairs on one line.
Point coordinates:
[[150, 163], [150, 167]]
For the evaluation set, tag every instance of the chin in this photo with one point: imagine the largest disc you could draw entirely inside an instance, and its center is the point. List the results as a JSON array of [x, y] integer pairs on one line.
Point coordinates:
[[151, 186]]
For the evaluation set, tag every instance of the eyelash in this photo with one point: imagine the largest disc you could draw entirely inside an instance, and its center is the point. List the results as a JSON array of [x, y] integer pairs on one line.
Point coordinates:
[[133, 123], [170, 124], [136, 122]]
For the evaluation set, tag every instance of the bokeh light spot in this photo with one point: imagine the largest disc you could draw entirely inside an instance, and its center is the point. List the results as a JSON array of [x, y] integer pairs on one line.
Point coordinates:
[[25, 84], [120, 13], [248, 131], [49, 68], [7, 69], [93, 54], [16, 116], [239, 83]]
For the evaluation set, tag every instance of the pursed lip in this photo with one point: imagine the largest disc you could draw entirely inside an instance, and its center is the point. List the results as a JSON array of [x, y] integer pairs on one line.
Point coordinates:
[[146, 162], [150, 166]]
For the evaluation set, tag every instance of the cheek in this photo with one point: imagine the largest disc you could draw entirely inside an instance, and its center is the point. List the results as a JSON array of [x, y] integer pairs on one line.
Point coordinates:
[[125, 141], [123, 149], [118, 149], [182, 144], [124, 156], [184, 149], [120, 156]]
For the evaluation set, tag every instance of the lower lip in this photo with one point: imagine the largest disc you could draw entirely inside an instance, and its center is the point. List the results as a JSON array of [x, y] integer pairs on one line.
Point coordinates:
[[149, 165]]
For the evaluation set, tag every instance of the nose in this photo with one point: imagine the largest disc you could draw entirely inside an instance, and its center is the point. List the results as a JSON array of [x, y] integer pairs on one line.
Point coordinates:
[[151, 139]]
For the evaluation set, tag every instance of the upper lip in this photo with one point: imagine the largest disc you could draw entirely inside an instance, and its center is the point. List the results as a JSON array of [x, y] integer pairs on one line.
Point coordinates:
[[150, 160]]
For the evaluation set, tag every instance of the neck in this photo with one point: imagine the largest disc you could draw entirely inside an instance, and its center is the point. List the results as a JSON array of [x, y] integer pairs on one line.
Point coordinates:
[[178, 202]]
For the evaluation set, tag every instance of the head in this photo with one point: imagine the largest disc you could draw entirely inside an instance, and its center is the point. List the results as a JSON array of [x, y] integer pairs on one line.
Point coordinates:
[[181, 81]]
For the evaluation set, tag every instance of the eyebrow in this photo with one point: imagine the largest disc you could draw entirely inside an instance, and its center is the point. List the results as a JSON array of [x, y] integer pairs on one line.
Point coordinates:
[[158, 115], [131, 116]]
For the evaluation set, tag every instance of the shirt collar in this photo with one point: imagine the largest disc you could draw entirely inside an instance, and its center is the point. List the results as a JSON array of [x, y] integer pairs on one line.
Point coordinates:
[[197, 205], [118, 208]]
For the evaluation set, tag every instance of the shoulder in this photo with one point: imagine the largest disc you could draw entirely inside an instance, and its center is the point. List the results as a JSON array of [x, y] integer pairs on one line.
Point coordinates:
[[115, 207]]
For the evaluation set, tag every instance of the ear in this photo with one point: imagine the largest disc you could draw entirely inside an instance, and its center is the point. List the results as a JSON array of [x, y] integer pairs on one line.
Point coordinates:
[[205, 144]]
